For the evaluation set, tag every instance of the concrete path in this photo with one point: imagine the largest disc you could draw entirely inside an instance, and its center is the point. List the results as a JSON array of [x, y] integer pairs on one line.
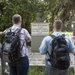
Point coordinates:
[[35, 58], [38, 60]]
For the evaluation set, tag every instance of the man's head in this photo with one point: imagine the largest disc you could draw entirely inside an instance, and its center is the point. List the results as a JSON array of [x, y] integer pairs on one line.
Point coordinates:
[[57, 25], [17, 19]]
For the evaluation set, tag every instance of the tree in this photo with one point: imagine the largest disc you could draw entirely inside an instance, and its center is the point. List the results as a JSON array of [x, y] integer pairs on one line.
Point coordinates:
[[61, 9], [26, 8], [53, 9]]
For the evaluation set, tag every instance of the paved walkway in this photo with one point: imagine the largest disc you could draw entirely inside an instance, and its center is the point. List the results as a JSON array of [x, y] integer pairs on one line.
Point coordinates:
[[38, 59], [35, 58]]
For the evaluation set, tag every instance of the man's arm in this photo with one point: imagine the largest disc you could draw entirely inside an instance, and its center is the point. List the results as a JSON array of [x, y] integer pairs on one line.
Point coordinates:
[[73, 53], [71, 47], [3, 32], [43, 46], [73, 39], [27, 37]]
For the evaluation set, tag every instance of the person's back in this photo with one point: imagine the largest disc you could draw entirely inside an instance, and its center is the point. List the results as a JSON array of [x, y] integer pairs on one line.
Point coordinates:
[[20, 66], [46, 46]]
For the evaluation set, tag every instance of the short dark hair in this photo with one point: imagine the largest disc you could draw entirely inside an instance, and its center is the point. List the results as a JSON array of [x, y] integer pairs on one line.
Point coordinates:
[[16, 18], [58, 24]]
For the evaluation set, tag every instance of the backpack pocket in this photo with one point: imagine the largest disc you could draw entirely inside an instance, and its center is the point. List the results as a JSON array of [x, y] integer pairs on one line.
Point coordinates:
[[7, 47]]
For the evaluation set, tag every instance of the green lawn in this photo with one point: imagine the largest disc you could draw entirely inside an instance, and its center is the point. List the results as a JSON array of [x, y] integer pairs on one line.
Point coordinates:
[[37, 70], [71, 71]]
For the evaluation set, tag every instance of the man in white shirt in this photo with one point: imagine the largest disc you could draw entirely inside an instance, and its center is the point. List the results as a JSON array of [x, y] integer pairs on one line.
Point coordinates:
[[20, 67]]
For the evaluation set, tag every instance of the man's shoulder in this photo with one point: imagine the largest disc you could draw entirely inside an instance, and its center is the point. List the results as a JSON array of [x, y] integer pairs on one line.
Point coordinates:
[[23, 29], [68, 40], [67, 37], [47, 38]]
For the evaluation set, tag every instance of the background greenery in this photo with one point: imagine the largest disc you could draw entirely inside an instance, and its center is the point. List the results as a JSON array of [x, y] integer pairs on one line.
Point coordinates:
[[53, 9]]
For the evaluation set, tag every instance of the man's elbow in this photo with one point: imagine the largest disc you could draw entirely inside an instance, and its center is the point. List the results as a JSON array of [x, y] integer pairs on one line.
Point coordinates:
[[28, 40], [41, 52], [73, 53]]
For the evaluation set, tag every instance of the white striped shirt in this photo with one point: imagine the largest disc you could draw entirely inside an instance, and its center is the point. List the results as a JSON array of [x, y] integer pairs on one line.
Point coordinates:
[[25, 37]]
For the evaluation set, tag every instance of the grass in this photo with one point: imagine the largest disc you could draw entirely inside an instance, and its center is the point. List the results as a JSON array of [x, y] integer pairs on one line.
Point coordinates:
[[37, 70], [71, 72]]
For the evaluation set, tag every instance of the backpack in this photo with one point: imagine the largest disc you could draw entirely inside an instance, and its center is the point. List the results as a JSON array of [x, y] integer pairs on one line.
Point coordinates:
[[11, 46], [59, 56]]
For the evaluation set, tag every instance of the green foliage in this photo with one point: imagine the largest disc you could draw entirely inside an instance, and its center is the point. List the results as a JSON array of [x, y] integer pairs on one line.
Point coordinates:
[[26, 8], [36, 70], [71, 72], [53, 9], [39, 70]]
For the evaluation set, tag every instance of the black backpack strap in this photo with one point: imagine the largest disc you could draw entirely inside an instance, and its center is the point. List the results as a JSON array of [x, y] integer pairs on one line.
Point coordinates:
[[9, 29], [22, 45], [48, 53], [52, 36], [18, 30], [63, 35]]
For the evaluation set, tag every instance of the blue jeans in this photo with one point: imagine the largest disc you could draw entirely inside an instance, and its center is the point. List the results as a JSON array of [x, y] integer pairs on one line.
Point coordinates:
[[20, 67], [53, 71], [3, 66]]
